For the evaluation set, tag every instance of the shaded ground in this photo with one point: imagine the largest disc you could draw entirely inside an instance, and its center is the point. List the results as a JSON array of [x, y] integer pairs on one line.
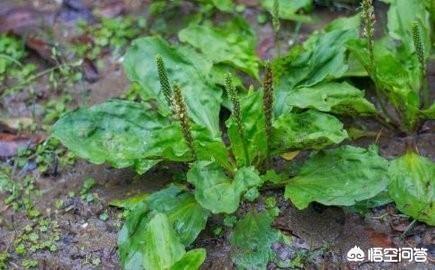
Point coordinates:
[[84, 227]]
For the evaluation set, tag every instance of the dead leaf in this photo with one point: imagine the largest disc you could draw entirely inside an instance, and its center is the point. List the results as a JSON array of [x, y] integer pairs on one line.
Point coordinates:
[[19, 19], [111, 9], [41, 47], [11, 143], [378, 239], [11, 125]]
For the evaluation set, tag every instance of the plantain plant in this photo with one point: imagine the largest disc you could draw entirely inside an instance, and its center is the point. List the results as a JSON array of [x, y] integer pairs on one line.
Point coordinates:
[[296, 107], [397, 65]]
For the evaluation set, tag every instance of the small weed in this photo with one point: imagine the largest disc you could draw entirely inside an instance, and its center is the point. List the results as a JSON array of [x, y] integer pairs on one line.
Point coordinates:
[[85, 192], [113, 33]]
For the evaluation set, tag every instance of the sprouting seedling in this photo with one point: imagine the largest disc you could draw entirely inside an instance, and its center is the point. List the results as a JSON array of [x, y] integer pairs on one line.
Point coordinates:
[[180, 110], [164, 81], [276, 24], [419, 49], [232, 93], [369, 20], [268, 103]]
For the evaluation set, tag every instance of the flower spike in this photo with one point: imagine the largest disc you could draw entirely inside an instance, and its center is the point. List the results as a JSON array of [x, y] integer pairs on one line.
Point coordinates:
[[180, 110], [165, 86]]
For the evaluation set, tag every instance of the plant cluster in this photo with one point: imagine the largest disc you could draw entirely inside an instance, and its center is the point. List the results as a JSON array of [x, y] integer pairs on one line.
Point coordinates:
[[297, 105]]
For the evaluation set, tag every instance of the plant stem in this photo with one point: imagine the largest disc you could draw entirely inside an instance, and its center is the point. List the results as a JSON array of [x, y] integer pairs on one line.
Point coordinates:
[[180, 109], [231, 91]]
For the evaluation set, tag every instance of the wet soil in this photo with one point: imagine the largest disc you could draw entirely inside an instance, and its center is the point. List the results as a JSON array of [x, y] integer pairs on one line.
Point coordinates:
[[88, 241]]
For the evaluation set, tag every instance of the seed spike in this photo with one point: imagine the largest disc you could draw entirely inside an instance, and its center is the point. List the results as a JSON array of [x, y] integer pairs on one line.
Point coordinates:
[[419, 49], [369, 20], [418, 44], [165, 86], [180, 110], [275, 16], [268, 103], [232, 93]]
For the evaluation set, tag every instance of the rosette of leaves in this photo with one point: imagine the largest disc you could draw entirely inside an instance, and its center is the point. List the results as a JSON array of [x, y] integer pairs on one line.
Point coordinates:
[[397, 62], [125, 133]]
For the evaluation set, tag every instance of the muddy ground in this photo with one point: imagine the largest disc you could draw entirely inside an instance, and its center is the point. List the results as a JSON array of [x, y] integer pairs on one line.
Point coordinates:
[[83, 225]]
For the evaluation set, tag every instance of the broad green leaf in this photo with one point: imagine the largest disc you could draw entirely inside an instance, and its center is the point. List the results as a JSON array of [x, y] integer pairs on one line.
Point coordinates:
[[185, 68], [289, 10], [161, 246], [341, 176], [124, 133], [252, 240], [215, 191], [121, 133], [401, 16], [192, 260], [306, 130], [412, 186], [130, 238], [131, 202], [321, 58], [340, 98], [185, 215], [232, 43], [254, 130], [183, 211]]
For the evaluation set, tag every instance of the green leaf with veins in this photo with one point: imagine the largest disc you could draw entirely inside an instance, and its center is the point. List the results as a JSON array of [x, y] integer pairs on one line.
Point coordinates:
[[192, 260], [186, 68], [290, 10], [321, 58], [161, 246], [125, 133], [252, 240], [341, 176], [183, 211], [215, 191], [340, 98], [306, 130], [130, 238], [121, 133], [412, 186], [253, 121], [185, 215], [401, 16], [232, 43]]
